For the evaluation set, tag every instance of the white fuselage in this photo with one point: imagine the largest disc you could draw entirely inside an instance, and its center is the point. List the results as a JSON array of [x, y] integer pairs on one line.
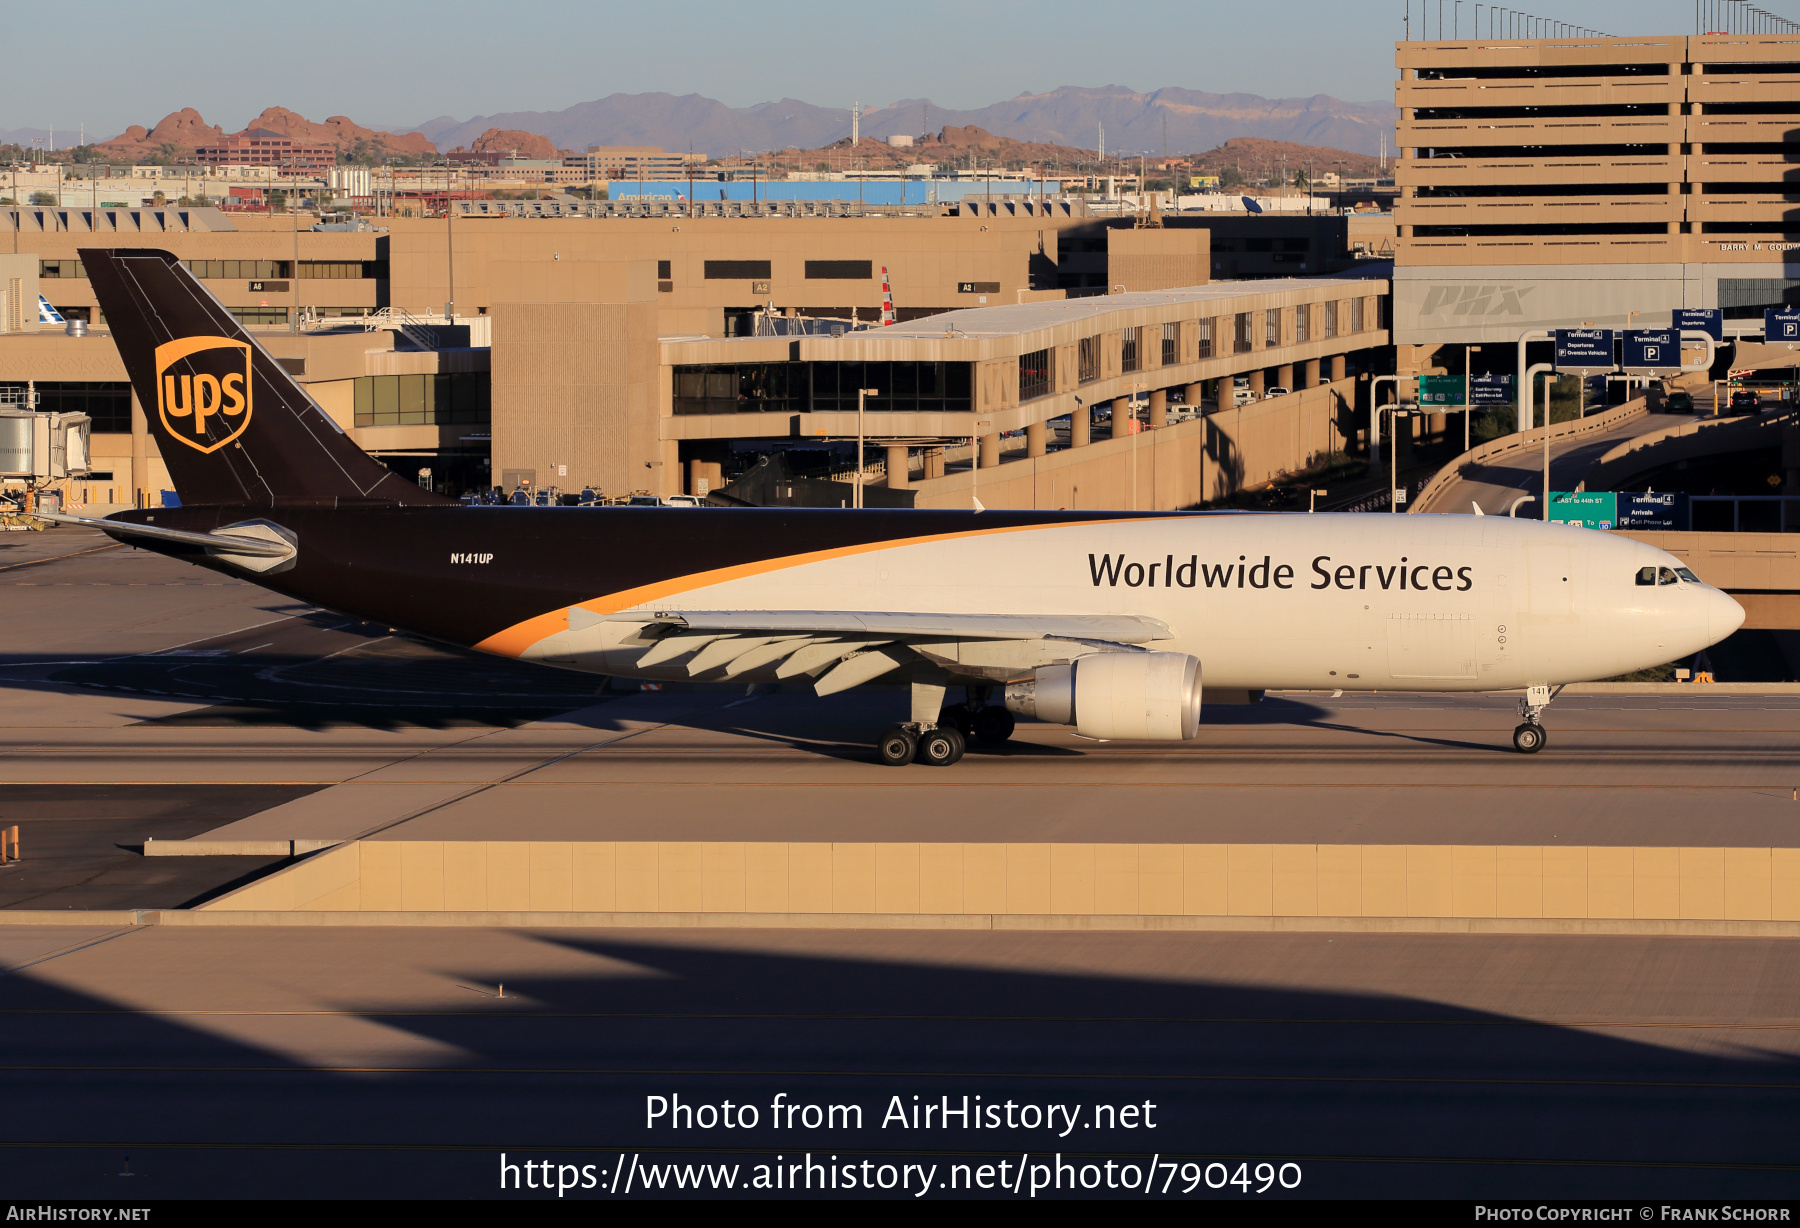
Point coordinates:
[[1361, 602]]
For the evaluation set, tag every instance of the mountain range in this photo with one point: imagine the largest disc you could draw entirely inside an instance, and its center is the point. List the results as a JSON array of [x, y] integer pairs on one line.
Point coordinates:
[[1178, 120]]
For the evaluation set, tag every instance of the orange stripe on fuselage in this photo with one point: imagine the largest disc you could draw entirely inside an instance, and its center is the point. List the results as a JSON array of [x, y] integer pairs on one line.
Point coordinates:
[[514, 640]]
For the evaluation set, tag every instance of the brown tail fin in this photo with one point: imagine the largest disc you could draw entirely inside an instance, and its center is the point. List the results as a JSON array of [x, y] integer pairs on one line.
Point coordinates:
[[233, 427]]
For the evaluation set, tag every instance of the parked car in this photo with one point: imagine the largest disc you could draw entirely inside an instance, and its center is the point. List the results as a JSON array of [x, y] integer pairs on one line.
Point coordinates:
[[1277, 391], [1744, 401], [1242, 396], [669, 501]]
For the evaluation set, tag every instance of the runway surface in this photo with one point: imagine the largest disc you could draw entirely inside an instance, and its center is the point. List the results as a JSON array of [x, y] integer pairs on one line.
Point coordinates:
[[143, 697]]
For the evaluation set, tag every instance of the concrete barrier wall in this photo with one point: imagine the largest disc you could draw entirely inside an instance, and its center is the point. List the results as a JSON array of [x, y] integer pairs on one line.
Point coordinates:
[[1194, 880], [1175, 467]]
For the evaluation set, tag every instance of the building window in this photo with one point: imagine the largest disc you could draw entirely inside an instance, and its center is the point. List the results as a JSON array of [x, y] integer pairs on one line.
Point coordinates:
[[663, 272], [900, 387], [736, 270], [1272, 328], [247, 270], [338, 270], [822, 387], [1331, 319], [1242, 338], [1171, 347], [1128, 350], [423, 400], [838, 270], [1356, 315], [1206, 338], [61, 268], [1303, 324], [254, 316], [107, 404], [751, 387], [1034, 375], [1087, 360]]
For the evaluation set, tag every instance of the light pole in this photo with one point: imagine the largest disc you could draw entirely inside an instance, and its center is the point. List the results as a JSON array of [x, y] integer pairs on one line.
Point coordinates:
[[1394, 414], [860, 394], [1468, 395], [1131, 429]]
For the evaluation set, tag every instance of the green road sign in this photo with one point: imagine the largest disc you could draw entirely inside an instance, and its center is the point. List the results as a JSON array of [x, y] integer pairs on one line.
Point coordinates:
[[1441, 390], [1590, 509]]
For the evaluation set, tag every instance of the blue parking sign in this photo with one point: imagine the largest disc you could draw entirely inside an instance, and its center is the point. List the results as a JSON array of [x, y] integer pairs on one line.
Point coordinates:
[[1649, 349], [1781, 324]]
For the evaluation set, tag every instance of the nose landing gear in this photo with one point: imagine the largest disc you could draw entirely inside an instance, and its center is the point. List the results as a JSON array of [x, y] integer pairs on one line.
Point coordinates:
[[1530, 737]]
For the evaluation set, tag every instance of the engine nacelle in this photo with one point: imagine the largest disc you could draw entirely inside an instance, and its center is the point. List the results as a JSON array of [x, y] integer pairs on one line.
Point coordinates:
[[1152, 696]]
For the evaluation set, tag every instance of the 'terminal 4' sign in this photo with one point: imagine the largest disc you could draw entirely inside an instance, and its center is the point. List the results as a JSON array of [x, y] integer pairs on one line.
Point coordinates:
[[1584, 349], [1651, 349], [1781, 324]]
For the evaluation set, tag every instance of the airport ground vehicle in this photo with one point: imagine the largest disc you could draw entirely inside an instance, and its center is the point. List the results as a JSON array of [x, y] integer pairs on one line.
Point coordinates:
[[1101, 620], [1744, 401], [1277, 391]]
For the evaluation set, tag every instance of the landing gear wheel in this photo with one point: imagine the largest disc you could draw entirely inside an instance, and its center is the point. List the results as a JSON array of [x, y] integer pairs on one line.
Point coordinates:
[[897, 747], [993, 726], [959, 717], [1529, 738], [942, 746]]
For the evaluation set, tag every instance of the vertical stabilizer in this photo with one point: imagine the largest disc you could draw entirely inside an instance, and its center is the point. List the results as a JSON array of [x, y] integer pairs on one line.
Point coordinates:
[[232, 425]]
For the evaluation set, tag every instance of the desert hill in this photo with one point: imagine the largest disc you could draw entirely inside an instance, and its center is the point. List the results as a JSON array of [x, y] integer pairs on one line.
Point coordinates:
[[180, 132]]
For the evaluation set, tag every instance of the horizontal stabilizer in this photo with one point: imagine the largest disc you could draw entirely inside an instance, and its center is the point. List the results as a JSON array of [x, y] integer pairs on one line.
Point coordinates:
[[222, 541]]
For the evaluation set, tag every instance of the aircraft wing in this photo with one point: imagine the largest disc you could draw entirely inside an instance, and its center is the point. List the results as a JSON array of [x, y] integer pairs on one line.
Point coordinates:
[[1125, 628], [840, 649]]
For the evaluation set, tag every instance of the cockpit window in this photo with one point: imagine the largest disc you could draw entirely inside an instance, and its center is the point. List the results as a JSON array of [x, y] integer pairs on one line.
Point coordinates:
[[1646, 577], [1687, 575], [1666, 575]]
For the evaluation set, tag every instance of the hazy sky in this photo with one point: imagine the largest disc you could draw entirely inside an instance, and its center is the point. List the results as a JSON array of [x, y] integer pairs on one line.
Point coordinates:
[[396, 63]]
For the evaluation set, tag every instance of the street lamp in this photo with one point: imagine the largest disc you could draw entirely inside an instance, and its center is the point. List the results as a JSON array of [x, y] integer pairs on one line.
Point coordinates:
[[860, 394], [1131, 428], [1468, 391], [1394, 412]]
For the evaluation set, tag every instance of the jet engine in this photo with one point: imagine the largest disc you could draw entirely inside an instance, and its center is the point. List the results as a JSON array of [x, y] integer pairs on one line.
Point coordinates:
[[1153, 696]]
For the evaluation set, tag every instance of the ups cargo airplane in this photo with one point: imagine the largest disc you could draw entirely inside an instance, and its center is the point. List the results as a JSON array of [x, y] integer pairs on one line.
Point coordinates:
[[1099, 620]]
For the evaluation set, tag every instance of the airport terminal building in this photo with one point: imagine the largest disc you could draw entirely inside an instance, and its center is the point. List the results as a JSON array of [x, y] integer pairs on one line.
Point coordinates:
[[635, 353], [1548, 183]]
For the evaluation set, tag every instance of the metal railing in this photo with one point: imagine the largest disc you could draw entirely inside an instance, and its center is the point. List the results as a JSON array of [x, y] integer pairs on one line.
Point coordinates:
[[414, 330]]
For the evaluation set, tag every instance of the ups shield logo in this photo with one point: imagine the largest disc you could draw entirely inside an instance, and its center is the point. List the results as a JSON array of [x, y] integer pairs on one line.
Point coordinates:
[[203, 393]]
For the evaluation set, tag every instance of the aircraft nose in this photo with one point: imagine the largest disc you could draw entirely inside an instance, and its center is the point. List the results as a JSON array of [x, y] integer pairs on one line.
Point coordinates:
[[1723, 615]]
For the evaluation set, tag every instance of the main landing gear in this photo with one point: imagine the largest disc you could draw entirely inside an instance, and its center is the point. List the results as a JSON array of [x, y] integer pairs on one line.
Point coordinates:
[[1529, 738], [938, 736]]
